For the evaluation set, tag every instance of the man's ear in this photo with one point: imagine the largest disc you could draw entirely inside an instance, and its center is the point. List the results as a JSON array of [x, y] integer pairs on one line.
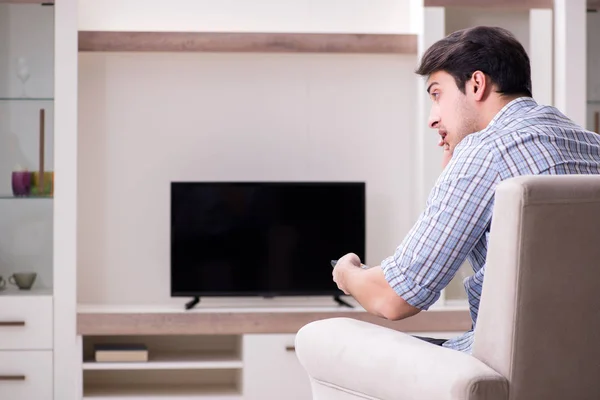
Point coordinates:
[[479, 84]]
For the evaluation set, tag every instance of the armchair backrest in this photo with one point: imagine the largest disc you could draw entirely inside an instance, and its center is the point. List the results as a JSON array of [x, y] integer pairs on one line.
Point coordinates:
[[539, 317]]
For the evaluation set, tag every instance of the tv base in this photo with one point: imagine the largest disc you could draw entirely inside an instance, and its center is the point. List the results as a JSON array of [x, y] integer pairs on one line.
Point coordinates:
[[342, 302], [192, 303]]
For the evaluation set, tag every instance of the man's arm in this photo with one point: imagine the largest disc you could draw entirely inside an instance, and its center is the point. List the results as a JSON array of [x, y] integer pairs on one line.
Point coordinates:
[[374, 293], [456, 216]]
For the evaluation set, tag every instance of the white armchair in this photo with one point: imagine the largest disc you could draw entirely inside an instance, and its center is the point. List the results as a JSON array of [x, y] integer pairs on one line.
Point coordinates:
[[536, 334]]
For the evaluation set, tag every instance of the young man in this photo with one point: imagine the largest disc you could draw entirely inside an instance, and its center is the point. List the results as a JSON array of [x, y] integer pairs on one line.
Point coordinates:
[[491, 130]]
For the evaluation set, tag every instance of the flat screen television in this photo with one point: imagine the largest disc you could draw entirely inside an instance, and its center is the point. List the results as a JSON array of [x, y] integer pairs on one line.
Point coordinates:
[[263, 238]]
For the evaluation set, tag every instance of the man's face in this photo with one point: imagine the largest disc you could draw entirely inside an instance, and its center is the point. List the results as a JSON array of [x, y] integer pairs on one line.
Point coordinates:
[[453, 113]]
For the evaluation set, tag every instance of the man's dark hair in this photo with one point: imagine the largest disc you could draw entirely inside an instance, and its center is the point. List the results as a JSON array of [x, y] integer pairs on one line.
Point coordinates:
[[493, 51]]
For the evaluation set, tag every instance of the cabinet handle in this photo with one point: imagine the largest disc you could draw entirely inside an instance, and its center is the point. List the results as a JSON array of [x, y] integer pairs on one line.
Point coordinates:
[[290, 348], [12, 323], [12, 377]]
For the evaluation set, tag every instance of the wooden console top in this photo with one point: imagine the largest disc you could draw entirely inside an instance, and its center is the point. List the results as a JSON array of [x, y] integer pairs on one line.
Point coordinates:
[[117, 320]]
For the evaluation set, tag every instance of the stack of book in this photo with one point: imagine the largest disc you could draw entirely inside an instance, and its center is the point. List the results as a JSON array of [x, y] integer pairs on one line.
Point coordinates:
[[120, 352]]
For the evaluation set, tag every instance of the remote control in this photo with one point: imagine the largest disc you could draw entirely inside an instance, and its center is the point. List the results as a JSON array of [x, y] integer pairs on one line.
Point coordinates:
[[334, 262]]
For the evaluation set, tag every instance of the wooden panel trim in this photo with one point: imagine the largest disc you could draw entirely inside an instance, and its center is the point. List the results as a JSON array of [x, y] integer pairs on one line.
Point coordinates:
[[520, 4], [227, 323], [45, 2], [247, 42], [593, 4]]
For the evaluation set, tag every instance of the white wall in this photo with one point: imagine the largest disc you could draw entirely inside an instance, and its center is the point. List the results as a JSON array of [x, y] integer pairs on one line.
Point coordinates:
[[27, 30], [516, 21], [26, 235], [354, 16], [533, 29], [147, 119], [570, 58]]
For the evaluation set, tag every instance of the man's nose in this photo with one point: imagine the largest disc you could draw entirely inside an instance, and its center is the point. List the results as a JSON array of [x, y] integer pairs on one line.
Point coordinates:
[[434, 119]]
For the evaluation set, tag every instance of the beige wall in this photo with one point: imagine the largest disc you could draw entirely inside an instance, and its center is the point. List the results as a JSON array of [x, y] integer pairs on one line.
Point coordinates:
[[516, 21], [354, 16], [147, 119]]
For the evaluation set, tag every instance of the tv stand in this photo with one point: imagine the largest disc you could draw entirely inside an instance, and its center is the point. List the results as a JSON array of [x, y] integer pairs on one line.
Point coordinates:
[[342, 302], [192, 303]]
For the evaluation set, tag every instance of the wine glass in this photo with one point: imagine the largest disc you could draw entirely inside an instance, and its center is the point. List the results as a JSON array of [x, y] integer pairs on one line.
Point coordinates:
[[23, 73]]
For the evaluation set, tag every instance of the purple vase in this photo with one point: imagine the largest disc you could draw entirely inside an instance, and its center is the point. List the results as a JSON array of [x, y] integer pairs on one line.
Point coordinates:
[[21, 183]]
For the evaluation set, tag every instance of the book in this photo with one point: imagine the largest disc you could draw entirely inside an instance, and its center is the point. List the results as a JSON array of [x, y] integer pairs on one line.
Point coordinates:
[[120, 352]]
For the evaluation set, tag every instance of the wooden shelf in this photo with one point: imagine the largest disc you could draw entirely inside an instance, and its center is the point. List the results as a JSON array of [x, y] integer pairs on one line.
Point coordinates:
[[173, 361], [26, 2], [108, 41], [33, 292], [240, 321], [36, 99], [151, 393], [161, 384], [519, 4]]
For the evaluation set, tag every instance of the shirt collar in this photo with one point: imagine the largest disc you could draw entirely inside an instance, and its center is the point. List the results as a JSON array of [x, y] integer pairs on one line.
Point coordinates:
[[510, 109]]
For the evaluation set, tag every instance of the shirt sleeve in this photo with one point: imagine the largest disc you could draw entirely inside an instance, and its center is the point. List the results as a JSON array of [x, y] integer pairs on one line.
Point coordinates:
[[457, 214]]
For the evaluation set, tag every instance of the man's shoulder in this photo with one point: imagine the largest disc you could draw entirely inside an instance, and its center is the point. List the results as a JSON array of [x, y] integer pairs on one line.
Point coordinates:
[[532, 143], [533, 120]]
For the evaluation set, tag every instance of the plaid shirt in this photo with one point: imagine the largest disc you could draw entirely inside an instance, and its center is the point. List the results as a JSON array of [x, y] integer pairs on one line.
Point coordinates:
[[524, 138]]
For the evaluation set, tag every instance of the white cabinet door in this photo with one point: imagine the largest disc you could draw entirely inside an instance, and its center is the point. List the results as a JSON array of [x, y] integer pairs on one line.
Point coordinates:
[[26, 323], [26, 375], [272, 370]]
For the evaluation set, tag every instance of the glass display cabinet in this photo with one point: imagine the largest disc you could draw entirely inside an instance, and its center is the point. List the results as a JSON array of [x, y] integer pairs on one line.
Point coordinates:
[[26, 145]]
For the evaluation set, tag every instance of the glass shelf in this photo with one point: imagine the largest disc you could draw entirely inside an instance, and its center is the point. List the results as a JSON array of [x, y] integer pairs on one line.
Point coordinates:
[[11, 197], [26, 99]]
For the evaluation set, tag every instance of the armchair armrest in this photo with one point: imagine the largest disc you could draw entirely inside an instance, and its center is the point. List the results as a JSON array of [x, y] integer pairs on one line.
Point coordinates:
[[374, 362]]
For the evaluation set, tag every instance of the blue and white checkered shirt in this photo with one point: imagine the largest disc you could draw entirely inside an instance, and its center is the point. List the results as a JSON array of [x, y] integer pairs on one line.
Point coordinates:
[[524, 138]]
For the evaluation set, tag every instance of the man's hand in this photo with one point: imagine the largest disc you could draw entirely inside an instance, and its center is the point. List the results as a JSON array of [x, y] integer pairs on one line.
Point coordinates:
[[345, 265], [446, 158], [370, 289], [447, 153]]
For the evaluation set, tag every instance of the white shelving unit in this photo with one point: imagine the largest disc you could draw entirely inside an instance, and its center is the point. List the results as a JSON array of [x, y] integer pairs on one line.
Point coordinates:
[[37, 327], [196, 366], [254, 366], [249, 353], [40, 326]]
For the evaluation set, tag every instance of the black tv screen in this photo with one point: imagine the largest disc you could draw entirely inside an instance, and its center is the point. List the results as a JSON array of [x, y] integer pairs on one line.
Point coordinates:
[[262, 238]]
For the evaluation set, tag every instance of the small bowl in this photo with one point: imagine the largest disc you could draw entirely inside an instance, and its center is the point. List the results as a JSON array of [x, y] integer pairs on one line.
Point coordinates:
[[23, 280]]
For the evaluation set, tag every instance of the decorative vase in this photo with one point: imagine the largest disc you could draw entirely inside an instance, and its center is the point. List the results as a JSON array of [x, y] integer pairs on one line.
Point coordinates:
[[21, 183], [23, 73], [42, 189]]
